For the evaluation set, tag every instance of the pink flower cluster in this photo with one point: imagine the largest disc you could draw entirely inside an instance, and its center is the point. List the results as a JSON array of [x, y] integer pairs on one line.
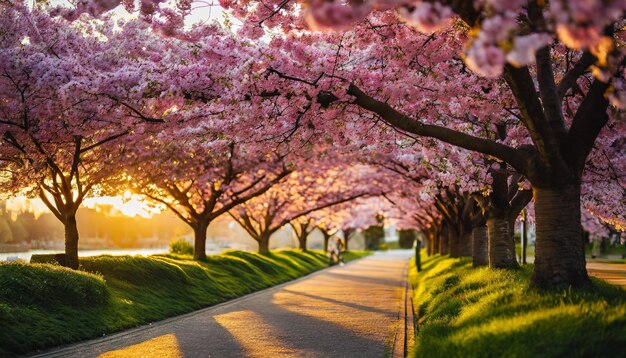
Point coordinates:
[[580, 23], [427, 17]]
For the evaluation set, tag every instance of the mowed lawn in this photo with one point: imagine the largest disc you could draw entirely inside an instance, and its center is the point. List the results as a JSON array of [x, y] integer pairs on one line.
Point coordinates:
[[463, 311]]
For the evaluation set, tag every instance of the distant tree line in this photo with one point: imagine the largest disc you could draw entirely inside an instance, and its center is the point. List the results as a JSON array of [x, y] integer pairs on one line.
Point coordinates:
[[25, 227], [112, 230]]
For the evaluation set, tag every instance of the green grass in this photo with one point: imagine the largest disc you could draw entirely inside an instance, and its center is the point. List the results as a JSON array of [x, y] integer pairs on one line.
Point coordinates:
[[44, 305], [610, 250], [615, 250], [530, 250], [466, 312]]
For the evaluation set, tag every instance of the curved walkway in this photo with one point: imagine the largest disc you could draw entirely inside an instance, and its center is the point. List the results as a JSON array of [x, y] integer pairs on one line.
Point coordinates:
[[349, 311]]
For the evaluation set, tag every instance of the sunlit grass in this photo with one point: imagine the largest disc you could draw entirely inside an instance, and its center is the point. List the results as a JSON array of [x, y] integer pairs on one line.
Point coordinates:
[[478, 312], [44, 305]]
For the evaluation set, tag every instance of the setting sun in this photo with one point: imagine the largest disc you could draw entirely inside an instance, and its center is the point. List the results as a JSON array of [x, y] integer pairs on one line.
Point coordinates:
[[127, 204]]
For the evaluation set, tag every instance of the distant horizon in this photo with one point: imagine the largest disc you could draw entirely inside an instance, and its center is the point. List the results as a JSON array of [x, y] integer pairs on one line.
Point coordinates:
[[124, 205]]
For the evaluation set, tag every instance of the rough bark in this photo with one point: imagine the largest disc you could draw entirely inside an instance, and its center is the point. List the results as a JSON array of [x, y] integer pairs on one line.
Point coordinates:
[[302, 239], [559, 256], [454, 242], [466, 242], [503, 206], [435, 233], [440, 242], [430, 248], [444, 247], [346, 237], [71, 241], [326, 239], [480, 245], [501, 243], [264, 244], [199, 241]]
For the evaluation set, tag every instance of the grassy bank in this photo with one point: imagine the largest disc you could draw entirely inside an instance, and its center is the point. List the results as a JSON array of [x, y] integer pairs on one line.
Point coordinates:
[[467, 312], [43, 305]]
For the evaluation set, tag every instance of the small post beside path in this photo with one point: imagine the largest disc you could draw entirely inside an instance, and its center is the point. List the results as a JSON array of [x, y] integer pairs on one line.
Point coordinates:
[[524, 236], [418, 248]]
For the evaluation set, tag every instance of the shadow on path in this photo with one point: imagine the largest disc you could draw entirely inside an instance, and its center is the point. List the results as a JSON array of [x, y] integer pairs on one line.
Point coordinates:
[[348, 304]]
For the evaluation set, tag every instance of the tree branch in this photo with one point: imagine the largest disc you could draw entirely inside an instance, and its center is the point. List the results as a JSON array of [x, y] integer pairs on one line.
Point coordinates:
[[547, 89], [187, 221], [519, 202], [51, 207], [521, 84], [514, 157], [569, 79], [97, 144], [590, 118]]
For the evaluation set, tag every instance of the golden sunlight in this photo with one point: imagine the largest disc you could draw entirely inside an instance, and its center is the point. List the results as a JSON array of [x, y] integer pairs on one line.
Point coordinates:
[[127, 204], [163, 346]]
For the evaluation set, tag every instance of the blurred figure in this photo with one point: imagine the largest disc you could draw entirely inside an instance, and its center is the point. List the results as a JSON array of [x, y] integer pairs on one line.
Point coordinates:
[[335, 250]]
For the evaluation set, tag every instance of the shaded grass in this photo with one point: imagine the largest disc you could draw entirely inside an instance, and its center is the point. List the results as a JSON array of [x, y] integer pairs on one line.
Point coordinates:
[[43, 305], [530, 250], [479, 312]]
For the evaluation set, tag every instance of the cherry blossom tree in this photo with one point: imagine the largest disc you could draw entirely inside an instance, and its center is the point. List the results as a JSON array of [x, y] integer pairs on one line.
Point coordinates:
[[330, 221], [604, 180], [363, 214], [560, 64], [302, 227], [303, 192], [61, 116], [203, 177], [552, 71]]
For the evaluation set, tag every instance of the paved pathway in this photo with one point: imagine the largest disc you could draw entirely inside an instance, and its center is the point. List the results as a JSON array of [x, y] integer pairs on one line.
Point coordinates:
[[613, 273], [349, 311]]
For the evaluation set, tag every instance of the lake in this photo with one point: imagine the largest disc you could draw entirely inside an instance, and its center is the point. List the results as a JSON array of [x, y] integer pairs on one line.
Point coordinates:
[[82, 253]]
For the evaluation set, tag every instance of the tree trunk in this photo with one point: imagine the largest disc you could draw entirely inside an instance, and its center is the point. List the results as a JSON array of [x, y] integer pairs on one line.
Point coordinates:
[[454, 242], [346, 237], [71, 241], [480, 252], [444, 247], [418, 261], [426, 243], [264, 244], [439, 243], [326, 238], [466, 242], [199, 241], [431, 243], [501, 243], [302, 242], [434, 242], [559, 256]]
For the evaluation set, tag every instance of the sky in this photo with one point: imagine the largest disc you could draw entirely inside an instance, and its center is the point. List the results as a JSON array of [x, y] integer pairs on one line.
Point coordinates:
[[127, 204], [208, 11]]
